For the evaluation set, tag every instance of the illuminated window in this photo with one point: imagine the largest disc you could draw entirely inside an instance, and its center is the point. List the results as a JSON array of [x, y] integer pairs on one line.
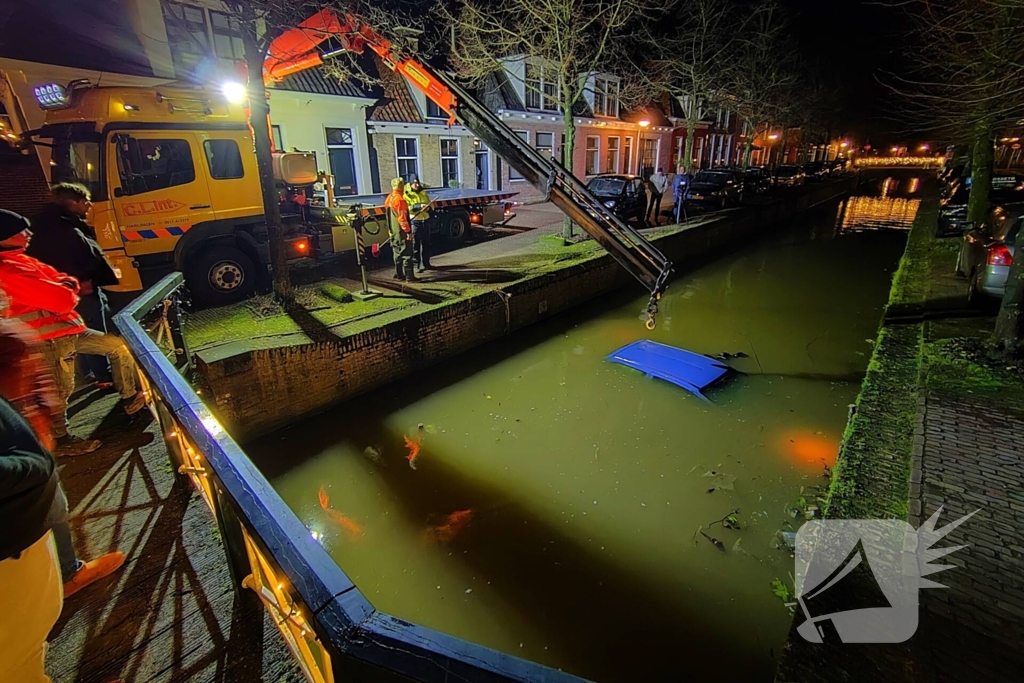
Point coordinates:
[[545, 144], [628, 156], [612, 158], [593, 155]]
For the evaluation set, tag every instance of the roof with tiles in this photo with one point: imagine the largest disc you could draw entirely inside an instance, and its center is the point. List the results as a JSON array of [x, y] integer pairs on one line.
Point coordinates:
[[315, 81], [397, 103]]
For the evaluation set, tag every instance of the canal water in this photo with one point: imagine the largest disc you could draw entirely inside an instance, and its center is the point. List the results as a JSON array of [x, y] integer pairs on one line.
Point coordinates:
[[535, 498]]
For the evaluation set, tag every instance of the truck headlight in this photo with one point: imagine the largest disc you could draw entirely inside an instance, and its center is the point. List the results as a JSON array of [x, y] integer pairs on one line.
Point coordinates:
[[610, 204]]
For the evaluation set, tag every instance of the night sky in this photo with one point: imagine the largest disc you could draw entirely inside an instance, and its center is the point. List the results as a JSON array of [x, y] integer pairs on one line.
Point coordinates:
[[857, 41]]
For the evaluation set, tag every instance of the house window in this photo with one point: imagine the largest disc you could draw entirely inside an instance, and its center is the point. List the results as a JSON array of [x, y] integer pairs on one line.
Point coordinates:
[[275, 133], [612, 159], [650, 154], [541, 88], [627, 156], [407, 155], [187, 36], [227, 36], [593, 155], [513, 174], [450, 172], [545, 144], [224, 158], [606, 96], [343, 137], [434, 111]]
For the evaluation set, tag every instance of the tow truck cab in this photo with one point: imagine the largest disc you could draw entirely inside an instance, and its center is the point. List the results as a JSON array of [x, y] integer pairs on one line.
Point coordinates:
[[174, 183]]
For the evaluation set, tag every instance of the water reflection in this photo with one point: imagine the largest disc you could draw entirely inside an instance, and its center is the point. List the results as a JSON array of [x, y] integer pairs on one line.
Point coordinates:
[[554, 507]]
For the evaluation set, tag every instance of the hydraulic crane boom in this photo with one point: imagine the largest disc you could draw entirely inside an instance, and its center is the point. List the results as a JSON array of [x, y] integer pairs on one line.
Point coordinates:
[[297, 50]]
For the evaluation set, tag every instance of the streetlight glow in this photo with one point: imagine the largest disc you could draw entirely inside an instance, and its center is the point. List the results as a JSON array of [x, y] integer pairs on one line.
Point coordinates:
[[233, 91], [773, 136], [643, 123]]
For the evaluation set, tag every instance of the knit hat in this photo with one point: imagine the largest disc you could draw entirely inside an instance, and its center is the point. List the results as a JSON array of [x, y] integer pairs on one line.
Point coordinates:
[[396, 182], [11, 224]]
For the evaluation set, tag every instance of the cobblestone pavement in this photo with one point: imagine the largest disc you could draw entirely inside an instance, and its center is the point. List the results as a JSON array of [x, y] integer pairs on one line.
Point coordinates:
[[170, 614], [968, 456]]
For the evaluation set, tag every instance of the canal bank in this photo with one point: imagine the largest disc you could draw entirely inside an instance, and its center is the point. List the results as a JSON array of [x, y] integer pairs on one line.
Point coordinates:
[[938, 425], [256, 385]]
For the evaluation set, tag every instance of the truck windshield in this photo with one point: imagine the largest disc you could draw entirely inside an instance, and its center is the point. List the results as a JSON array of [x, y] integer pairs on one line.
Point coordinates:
[[77, 162]]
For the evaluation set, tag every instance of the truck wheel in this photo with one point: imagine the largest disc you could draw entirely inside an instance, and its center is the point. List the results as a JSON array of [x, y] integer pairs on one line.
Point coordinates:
[[220, 275], [458, 227]]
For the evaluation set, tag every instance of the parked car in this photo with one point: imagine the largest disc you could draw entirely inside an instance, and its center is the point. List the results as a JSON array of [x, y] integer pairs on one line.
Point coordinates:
[[987, 251], [838, 168], [1006, 189], [757, 179], [789, 176], [718, 189], [625, 195], [815, 171]]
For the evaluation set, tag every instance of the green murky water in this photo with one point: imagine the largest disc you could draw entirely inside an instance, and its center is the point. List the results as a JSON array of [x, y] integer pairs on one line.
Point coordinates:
[[585, 482]]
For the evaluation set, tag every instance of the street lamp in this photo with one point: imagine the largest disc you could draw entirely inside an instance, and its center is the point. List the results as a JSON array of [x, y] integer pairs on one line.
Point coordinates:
[[644, 124], [233, 91], [923, 148]]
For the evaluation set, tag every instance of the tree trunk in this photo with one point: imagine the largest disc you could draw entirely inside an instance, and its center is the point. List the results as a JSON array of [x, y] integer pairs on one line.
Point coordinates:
[[259, 122], [691, 128], [567, 152], [1006, 339], [981, 173]]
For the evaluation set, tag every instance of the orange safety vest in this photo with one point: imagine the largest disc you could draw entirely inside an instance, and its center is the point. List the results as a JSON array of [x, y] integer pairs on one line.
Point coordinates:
[[39, 296]]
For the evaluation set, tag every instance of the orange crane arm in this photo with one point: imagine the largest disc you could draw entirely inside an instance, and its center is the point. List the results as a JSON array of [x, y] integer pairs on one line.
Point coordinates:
[[296, 50]]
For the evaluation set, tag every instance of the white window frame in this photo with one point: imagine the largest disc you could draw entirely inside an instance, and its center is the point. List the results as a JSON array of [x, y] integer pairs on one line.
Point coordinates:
[[627, 154], [211, 37], [419, 153], [549, 148], [597, 155], [615, 167], [540, 92], [457, 158], [513, 174], [657, 152], [603, 86], [276, 131]]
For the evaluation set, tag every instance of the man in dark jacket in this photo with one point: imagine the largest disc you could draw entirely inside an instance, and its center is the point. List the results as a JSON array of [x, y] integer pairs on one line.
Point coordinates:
[[62, 239]]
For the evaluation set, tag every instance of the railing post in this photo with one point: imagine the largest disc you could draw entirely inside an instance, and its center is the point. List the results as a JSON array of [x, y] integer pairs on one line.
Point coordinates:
[[176, 320], [234, 542]]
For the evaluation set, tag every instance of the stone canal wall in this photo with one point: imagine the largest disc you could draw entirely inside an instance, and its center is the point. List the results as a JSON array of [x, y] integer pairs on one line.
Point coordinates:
[[256, 391]]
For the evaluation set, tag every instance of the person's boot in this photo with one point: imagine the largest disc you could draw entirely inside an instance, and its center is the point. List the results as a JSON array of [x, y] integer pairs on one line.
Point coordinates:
[[135, 403], [92, 571], [69, 446]]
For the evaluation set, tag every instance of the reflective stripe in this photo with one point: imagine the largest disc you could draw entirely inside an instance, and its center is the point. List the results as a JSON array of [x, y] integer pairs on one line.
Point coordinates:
[[47, 330], [34, 315]]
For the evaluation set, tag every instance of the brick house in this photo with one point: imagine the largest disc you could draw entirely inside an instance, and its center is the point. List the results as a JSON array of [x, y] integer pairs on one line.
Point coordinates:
[[608, 139], [410, 136]]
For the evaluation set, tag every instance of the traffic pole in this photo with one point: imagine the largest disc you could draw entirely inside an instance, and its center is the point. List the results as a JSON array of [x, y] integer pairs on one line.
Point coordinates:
[[367, 293]]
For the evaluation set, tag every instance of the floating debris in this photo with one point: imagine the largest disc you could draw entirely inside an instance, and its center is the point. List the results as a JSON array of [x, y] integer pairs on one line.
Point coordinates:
[[447, 530], [414, 451], [720, 481], [374, 455], [338, 518]]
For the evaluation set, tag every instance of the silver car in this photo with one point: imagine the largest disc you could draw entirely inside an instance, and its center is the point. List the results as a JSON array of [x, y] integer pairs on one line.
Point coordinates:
[[986, 252]]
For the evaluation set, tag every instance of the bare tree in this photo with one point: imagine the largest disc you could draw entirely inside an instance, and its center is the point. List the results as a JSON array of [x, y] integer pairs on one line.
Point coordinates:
[[569, 39], [764, 76], [691, 62]]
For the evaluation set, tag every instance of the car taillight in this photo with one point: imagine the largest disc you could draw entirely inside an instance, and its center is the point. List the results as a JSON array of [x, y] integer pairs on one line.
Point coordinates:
[[999, 255], [475, 218]]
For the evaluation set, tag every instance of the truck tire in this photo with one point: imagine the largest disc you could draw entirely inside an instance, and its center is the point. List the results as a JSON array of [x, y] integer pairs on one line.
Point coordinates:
[[220, 275], [457, 227]]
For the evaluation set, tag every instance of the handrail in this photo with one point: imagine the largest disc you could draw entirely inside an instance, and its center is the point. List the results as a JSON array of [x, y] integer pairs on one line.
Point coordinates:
[[331, 628]]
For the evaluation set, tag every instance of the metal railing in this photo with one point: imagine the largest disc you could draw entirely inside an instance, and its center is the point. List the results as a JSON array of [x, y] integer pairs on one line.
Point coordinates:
[[332, 630]]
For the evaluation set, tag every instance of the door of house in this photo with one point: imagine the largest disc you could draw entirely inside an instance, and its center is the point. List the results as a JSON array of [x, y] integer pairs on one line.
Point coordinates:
[[483, 170], [342, 156]]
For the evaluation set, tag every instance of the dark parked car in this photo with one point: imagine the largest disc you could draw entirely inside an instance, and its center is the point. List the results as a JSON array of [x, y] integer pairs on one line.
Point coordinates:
[[624, 194], [987, 251], [718, 189], [838, 168], [1006, 189], [757, 179], [815, 171], [789, 176]]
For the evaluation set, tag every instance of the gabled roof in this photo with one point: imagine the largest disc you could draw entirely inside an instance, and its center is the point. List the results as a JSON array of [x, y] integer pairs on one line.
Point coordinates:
[[651, 112], [315, 81], [496, 92], [396, 103]]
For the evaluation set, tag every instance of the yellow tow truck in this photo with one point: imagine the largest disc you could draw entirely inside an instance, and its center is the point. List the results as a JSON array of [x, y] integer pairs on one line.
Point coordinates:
[[175, 186]]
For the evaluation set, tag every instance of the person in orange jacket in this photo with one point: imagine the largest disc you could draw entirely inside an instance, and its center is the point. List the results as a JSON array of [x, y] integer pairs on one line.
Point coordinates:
[[45, 300], [400, 229]]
